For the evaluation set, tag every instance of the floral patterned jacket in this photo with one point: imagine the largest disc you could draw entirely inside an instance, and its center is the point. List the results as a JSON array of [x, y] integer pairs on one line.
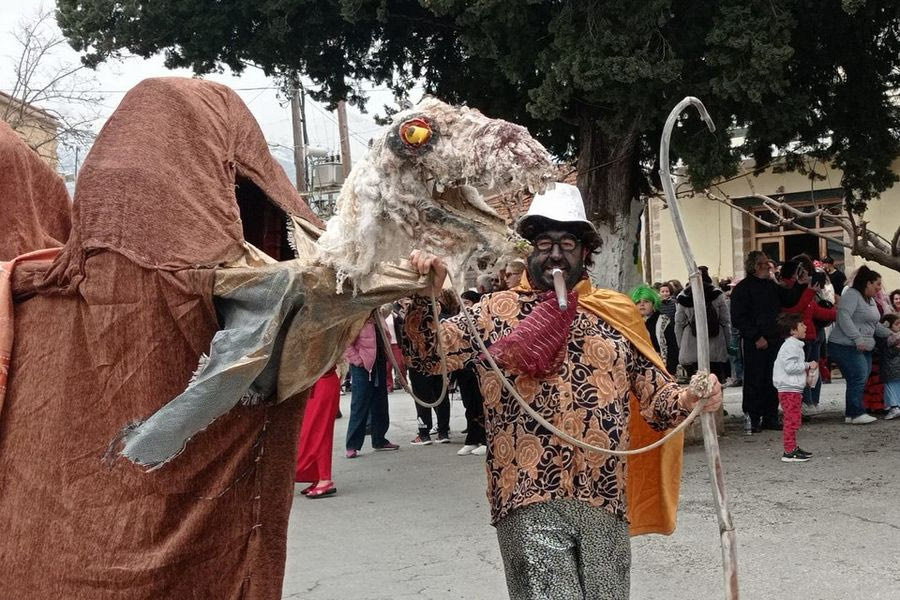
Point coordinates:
[[588, 399]]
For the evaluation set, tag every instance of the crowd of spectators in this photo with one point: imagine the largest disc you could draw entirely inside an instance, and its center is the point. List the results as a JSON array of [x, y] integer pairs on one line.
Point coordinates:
[[850, 323], [845, 322], [370, 380]]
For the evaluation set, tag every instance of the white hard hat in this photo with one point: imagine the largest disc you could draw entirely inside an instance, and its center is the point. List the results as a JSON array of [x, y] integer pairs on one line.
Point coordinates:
[[561, 203]]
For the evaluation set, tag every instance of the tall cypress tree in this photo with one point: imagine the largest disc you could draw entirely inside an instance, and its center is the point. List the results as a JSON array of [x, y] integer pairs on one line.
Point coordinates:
[[592, 79]]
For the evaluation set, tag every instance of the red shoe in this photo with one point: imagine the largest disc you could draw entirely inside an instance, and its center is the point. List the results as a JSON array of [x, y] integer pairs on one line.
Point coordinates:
[[387, 447], [319, 492], [307, 489]]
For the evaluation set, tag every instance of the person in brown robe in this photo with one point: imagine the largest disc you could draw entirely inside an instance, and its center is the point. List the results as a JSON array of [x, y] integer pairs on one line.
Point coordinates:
[[106, 334]]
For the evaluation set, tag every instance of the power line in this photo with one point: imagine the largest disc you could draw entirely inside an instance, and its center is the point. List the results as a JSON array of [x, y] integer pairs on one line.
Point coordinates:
[[249, 102], [261, 89], [248, 89], [358, 138], [242, 89]]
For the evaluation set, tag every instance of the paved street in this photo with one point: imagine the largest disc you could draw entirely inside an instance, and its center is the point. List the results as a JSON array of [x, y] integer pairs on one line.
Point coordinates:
[[414, 523]]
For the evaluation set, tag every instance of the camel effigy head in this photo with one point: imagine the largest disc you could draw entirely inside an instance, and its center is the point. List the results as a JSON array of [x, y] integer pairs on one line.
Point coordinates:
[[422, 185]]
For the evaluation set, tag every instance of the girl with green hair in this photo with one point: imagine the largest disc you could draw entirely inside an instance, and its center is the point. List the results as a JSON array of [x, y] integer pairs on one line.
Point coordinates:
[[660, 327]]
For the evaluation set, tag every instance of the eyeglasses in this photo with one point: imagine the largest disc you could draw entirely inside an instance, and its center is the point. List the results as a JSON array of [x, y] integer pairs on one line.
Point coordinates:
[[566, 244]]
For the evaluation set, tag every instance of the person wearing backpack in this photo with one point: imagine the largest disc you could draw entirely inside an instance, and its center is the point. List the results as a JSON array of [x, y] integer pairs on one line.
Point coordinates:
[[718, 322]]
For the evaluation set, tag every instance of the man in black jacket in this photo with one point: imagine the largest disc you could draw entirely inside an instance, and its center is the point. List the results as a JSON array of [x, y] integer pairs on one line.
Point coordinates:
[[755, 304], [837, 278]]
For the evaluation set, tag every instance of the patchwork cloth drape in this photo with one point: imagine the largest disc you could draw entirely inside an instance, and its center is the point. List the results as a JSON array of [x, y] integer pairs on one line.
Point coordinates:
[[282, 328], [109, 333]]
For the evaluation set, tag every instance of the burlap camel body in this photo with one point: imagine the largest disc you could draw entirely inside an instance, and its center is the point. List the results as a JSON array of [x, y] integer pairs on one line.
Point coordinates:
[[182, 321]]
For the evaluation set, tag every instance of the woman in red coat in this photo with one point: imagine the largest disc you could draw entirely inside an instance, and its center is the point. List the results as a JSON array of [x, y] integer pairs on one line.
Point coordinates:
[[815, 317], [317, 437]]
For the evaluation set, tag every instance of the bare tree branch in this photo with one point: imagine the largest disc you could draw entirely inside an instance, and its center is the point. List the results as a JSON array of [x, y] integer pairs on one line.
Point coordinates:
[[859, 240], [877, 240], [51, 102], [773, 206], [802, 213]]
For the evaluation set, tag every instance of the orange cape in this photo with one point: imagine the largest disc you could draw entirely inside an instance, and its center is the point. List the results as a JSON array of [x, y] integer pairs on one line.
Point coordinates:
[[653, 478]]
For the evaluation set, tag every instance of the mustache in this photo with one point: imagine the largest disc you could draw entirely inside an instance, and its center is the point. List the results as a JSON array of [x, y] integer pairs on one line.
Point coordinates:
[[552, 263]]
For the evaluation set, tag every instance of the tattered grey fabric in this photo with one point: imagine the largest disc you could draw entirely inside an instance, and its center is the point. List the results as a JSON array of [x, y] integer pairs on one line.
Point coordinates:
[[240, 365], [284, 326]]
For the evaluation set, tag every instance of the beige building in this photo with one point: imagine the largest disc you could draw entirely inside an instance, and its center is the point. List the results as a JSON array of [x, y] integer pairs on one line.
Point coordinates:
[[721, 236], [37, 127]]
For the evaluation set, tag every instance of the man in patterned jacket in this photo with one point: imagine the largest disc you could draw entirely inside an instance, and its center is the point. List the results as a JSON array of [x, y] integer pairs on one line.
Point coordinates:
[[560, 512]]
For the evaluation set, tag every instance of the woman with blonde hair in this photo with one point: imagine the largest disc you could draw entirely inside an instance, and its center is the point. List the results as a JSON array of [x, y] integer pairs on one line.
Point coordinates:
[[513, 275]]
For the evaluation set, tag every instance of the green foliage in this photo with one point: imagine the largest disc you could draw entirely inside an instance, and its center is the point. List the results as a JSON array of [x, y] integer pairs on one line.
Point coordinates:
[[802, 76]]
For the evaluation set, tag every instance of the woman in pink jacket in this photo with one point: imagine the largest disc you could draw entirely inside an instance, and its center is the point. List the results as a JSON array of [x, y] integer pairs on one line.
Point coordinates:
[[369, 393]]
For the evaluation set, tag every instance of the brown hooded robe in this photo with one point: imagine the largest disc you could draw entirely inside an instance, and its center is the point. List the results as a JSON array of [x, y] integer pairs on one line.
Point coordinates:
[[111, 332]]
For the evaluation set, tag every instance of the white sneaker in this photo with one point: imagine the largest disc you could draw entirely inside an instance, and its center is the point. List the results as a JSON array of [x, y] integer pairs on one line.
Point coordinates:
[[467, 449], [481, 450], [893, 413], [863, 419]]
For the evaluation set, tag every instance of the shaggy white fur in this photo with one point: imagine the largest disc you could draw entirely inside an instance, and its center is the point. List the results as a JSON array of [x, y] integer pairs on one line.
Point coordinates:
[[403, 196]]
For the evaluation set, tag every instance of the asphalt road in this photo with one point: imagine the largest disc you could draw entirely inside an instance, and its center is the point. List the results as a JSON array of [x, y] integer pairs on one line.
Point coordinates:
[[415, 523]]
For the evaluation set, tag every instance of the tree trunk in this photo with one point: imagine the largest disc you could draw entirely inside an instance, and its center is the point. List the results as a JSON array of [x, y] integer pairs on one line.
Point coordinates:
[[608, 177]]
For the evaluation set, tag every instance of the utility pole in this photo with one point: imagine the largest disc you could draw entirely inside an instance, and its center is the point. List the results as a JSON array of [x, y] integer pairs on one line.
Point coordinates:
[[298, 124], [345, 137]]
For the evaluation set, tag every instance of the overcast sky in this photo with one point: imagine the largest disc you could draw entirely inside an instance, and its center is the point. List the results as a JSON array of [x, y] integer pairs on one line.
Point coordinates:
[[114, 79]]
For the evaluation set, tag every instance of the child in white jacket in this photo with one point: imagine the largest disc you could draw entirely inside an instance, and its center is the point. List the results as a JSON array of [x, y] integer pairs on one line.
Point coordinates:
[[790, 377]]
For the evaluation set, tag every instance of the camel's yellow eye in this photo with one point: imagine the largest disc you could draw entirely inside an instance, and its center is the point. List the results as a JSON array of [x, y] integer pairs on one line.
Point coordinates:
[[415, 132], [416, 135]]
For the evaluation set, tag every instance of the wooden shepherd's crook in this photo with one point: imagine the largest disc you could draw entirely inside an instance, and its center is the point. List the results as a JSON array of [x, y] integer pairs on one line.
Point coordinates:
[[710, 441]]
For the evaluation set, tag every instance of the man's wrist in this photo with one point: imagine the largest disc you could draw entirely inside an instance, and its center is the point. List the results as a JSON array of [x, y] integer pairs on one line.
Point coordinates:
[[687, 399]]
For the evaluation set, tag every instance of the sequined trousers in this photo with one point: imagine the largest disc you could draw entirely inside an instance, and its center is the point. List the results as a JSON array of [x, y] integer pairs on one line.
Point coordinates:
[[565, 549]]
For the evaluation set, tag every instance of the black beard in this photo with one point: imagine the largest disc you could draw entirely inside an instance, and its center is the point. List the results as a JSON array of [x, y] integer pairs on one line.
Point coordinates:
[[572, 273]]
